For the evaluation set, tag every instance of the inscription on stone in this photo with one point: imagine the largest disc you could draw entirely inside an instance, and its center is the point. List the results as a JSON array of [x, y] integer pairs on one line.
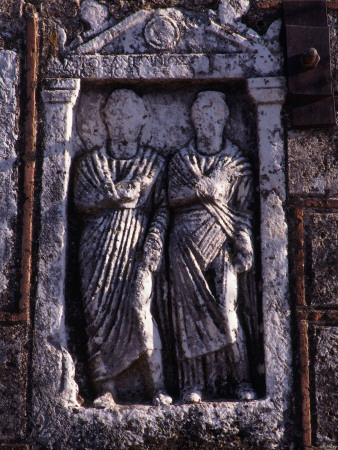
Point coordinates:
[[156, 282]]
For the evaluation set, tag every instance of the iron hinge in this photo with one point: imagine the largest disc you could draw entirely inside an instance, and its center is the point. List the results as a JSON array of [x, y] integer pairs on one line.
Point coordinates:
[[310, 89]]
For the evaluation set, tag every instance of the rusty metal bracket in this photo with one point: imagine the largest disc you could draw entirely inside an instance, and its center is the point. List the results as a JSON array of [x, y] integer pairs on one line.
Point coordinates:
[[30, 141], [308, 63], [306, 314]]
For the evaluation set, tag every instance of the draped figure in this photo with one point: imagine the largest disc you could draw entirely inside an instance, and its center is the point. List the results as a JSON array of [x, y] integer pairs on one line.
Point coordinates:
[[210, 188], [121, 195]]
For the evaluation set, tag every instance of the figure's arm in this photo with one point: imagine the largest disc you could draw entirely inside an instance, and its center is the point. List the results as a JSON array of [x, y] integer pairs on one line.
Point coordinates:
[[95, 191], [210, 187], [153, 247], [184, 196], [193, 189], [243, 258], [242, 193], [182, 182], [241, 201]]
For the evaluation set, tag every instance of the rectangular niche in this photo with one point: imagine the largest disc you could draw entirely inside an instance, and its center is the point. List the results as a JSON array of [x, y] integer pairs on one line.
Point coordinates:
[[59, 355], [168, 129]]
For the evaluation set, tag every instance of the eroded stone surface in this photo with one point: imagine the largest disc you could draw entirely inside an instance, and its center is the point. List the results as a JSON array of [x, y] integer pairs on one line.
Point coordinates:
[[166, 133], [90, 127], [260, 19], [245, 54], [8, 172], [120, 192], [333, 28], [208, 425], [210, 189], [313, 162], [324, 362], [268, 94], [13, 380], [176, 31], [50, 336], [321, 258], [11, 24], [120, 10]]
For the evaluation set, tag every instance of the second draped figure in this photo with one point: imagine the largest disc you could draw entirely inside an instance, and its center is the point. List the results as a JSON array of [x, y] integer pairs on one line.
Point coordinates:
[[186, 223]]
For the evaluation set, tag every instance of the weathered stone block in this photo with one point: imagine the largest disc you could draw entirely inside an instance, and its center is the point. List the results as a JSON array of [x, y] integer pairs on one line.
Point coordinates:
[[155, 48], [8, 174], [10, 9], [324, 364], [321, 258], [13, 379], [312, 159]]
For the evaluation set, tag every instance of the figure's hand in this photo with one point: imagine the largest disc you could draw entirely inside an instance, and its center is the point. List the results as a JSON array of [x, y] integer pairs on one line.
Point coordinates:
[[242, 261], [129, 191], [144, 280], [209, 188], [152, 254], [243, 258], [143, 289]]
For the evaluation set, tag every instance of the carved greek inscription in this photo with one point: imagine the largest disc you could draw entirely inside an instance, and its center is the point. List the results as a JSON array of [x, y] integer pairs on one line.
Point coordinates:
[[131, 66]]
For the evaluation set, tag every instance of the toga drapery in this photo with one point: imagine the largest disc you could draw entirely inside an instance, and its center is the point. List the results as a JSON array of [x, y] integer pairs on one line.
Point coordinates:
[[202, 246], [115, 231]]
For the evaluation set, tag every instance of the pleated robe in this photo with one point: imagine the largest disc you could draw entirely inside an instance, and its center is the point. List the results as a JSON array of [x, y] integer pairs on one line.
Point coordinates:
[[203, 232], [111, 255]]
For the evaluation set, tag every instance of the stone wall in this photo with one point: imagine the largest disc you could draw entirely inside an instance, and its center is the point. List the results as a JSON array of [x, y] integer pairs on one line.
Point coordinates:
[[313, 186], [312, 205]]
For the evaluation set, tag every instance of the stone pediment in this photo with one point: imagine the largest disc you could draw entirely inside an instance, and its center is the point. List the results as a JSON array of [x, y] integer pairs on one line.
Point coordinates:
[[124, 72], [173, 30], [171, 43]]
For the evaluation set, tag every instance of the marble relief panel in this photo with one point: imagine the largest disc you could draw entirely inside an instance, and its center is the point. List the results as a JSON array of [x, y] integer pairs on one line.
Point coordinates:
[[163, 263]]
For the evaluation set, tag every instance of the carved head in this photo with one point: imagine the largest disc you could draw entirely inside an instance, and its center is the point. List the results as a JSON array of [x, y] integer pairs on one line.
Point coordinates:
[[209, 114], [125, 115]]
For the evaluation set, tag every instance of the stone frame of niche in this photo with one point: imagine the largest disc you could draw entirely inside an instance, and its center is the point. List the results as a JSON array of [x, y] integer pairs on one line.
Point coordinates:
[[57, 417]]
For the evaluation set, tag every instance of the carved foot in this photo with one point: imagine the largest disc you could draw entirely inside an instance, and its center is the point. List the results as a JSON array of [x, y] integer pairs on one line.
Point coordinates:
[[192, 396], [104, 401], [161, 398], [245, 391]]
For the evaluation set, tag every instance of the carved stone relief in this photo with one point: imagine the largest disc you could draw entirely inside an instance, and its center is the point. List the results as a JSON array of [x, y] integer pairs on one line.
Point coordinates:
[[8, 168], [163, 251], [170, 234], [120, 191], [209, 190], [162, 33]]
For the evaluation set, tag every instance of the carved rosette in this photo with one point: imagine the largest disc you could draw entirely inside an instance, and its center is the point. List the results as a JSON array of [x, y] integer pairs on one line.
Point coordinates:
[[162, 33]]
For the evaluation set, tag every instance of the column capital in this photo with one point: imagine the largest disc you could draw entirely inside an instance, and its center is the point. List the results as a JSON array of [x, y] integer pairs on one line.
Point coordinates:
[[267, 90], [60, 90]]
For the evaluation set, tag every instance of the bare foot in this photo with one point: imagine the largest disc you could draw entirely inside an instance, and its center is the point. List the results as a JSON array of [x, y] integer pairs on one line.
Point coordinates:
[[245, 391], [192, 396], [104, 401], [161, 398]]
